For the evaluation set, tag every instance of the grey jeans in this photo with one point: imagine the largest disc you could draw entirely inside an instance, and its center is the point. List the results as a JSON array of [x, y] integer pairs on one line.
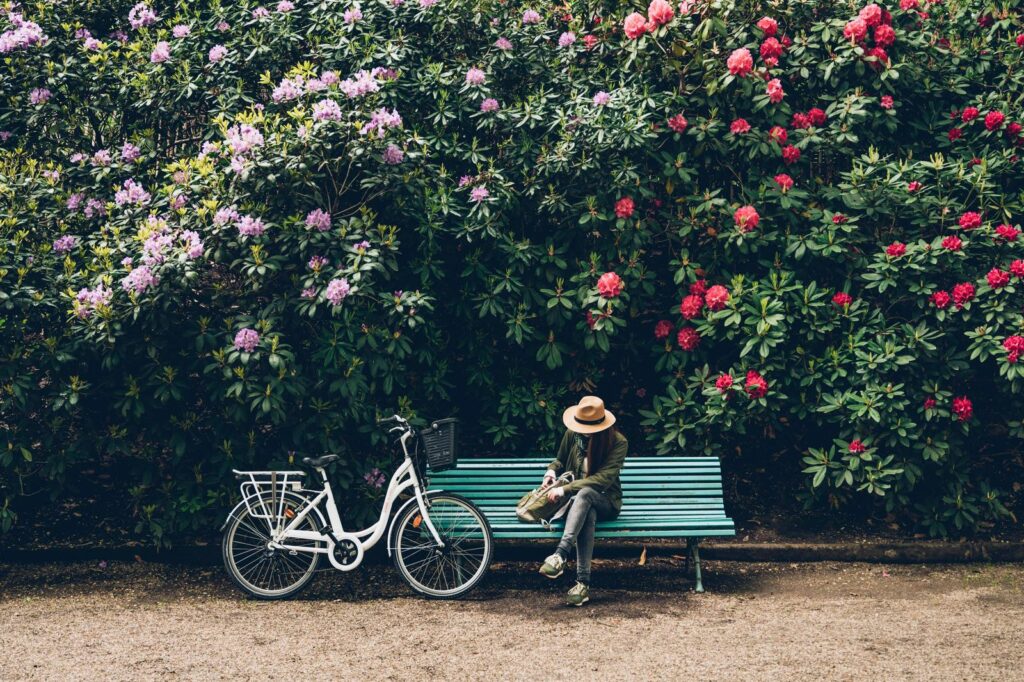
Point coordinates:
[[589, 505]]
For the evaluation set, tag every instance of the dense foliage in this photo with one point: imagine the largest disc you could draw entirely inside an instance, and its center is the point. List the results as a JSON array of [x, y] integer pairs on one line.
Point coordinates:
[[229, 233]]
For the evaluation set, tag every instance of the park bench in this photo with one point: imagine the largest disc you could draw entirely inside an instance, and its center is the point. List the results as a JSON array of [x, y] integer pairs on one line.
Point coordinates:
[[663, 497]]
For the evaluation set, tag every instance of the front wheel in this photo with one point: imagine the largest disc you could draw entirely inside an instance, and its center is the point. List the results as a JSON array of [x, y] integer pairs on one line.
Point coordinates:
[[450, 571]]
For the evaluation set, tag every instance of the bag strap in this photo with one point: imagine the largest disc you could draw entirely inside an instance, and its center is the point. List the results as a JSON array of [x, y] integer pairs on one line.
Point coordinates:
[[564, 509]]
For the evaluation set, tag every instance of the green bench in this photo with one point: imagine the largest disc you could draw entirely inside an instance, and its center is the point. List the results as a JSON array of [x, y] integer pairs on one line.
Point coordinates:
[[663, 497]]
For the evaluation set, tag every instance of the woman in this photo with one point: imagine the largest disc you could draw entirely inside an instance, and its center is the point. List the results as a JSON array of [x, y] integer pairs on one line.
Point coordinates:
[[593, 450]]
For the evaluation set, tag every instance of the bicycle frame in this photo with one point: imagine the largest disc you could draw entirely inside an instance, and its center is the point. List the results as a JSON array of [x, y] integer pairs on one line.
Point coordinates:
[[402, 479]]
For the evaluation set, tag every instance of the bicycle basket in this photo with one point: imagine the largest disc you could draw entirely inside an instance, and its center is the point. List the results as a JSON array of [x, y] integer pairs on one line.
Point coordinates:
[[439, 444]]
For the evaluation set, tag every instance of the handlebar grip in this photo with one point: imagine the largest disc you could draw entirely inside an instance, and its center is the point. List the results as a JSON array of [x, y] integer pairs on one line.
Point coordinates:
[[387, 420]]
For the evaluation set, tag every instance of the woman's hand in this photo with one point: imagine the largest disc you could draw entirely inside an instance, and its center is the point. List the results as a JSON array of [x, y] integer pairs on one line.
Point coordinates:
[[556, 494], [549, 478]]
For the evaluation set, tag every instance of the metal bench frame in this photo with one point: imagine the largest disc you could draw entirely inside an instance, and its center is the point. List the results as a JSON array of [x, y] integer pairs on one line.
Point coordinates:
[[663, 497]]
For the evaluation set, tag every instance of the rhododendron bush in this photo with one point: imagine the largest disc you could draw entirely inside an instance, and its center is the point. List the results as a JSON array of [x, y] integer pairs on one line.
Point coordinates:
[[787, 234]]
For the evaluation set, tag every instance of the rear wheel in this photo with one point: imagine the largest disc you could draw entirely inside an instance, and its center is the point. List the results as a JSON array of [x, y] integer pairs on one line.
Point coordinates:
[[450, 571], [262, 571]]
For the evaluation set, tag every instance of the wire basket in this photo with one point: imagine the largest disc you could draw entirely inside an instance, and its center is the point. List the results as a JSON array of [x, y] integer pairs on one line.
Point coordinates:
[[439, 444]]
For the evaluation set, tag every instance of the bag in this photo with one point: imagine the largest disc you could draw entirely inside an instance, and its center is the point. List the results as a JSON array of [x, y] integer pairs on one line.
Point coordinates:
[[534, 506]]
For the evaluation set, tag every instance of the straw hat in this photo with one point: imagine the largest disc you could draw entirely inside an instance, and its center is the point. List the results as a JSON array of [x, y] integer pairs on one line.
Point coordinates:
[[589, 416]]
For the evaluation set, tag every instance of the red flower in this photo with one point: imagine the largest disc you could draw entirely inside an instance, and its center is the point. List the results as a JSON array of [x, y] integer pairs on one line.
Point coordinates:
[[790, 154], [970, 220], [746, 218], [740, 62], [678, 123], [856, 447], [660, 12], [635, 25], [699, 288], [756, 386], [913, 186], [1014, 346], [1017, 268], [590, 320], [969, 114], [768, 25], [691, 306], [885, 102], [962, 408], [997, 279], [855, 30], [818, 116], [784, 182], [688, 338], [870, 14], [994, 120], [884, 35], [963, 293], [955, 134], [839, 219], [1020, 40], [716, 297], [774, 91], [842, 299], [662, 329], [908, 4], [929, 403], [724, 382], [739, 126], [801, 121], [771, 49], [590, 40], [941, 299], [624, 207], [896, 249], [778, 134], [952, 243], [609, 285], [880, 55]]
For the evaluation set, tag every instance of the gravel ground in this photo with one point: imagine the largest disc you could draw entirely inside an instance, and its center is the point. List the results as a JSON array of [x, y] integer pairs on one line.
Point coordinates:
[[757, 622]]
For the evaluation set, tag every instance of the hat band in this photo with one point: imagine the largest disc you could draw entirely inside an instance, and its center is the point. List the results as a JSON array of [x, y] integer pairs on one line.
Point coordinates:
[[588, 421]]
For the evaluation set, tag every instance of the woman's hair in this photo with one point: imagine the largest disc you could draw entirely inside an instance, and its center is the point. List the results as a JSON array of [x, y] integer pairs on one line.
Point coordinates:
[[600, 446]]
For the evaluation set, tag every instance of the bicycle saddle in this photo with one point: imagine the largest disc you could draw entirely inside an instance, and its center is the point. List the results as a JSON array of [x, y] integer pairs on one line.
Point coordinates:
[[321, 461]]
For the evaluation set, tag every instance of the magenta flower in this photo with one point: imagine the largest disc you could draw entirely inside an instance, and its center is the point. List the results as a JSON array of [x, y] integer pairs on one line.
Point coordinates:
[[479, 194], [246, 340], [132, 193], [337, 290], [129, 152], [317, 262], [39, 96], [65, 244], [361, 246], [319, 219]]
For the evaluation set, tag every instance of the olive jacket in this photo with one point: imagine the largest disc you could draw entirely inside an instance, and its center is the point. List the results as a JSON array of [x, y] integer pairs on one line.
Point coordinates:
[[606, 479]]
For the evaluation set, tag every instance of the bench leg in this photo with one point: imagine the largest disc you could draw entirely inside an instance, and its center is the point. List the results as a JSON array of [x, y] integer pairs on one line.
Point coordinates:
[[695, 553]]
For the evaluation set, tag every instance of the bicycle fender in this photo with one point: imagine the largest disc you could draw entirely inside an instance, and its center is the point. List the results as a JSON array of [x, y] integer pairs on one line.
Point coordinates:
[[394, 517], [287, 493]]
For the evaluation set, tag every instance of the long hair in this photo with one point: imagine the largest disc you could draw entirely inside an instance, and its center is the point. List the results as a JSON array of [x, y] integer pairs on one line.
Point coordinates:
[[601, 444]]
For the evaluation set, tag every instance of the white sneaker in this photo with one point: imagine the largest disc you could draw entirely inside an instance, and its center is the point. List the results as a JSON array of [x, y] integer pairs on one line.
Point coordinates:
[[553, 566]]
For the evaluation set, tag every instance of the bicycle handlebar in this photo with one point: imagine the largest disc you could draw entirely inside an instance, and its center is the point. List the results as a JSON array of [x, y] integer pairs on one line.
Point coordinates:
[[391, 419]]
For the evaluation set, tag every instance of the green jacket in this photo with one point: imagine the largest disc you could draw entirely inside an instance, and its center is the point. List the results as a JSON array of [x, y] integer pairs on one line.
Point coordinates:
[[605, 479]]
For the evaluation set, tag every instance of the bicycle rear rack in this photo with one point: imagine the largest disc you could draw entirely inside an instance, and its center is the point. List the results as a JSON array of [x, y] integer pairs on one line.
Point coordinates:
[[257, 484]]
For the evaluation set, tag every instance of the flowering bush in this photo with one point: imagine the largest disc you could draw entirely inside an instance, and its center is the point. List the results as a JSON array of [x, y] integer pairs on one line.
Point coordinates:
[[234, 232]]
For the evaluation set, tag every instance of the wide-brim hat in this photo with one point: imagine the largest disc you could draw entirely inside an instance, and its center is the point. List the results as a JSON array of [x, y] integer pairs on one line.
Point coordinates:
[[588, 416]]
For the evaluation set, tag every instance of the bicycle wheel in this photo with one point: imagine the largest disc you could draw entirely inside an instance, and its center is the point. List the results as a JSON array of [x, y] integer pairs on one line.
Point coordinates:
[[451, 571], [261, 571]]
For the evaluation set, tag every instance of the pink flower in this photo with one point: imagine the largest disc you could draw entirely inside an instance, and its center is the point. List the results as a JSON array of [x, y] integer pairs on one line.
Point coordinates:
[[250, 227], [609, 285], [716, 297], [319, 219], [885, 36], [775, 91], [896, 249], [994, 120], [962, 408], [475, 76], [660, 12], [756, 386], [739, 126], [246, 340], [624, 207], [969, 114], [997, 279], [688, 339], [217, 53], [929, 403], [488, 105], [662, 329], [885, 102], [778, 134], [842, 299], [1017, 268], [531, 17], [723, 384], [818, 116], [870, 14], [768, 26], [566, 39], [952, 243], [771, 50], [337, 290], [790, 154], [941, 299], [1014, 346], [503, 44], [784, 182], [746, 218], [855, 30], [602, 98], [161, 53], [678, 123], [478, 194], [913, 186], [1007, 232], [970, 220], [740, 62], [691, 306], [635, 25], [856, 447], [700, 287], [963, 293]]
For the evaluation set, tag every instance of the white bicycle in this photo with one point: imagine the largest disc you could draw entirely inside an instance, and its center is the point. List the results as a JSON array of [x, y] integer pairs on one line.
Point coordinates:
[[441, 542]]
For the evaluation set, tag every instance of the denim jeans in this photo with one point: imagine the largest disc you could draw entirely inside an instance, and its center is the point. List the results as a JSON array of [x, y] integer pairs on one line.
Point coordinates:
[[589, 505]]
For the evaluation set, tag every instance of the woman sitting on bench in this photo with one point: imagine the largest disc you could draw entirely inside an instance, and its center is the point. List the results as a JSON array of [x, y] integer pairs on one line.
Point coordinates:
[[593, 450]]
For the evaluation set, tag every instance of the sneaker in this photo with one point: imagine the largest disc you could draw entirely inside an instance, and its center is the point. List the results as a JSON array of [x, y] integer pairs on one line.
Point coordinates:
[[553, 566], [578, 595]]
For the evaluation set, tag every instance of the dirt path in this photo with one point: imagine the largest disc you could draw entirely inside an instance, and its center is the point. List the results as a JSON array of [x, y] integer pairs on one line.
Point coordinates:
[[757, 622]]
